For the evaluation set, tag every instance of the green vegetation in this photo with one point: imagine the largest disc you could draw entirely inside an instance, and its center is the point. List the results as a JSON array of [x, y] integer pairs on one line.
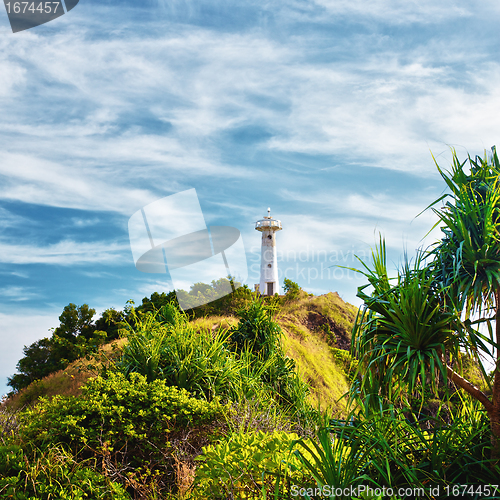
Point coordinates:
[[53, 474], [76, 336], [244, 362], [412, 329], [291, 289], [105, 417], [170, 387], [203, 292], [256, 397], [248, 465]]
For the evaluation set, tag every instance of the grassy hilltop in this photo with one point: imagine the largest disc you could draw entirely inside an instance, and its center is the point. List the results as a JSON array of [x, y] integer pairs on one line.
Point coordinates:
[[315, 331]]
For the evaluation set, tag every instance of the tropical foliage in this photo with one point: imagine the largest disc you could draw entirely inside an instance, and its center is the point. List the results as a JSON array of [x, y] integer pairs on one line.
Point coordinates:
[[411, 329], [212, 407], [243, 362], [252, 464], [51, 474]]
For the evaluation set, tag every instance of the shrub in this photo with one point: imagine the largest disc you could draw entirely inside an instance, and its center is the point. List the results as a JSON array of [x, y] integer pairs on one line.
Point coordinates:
[[249, 465], [256, 330], [245, 362], [146, 340], [257, 338], [166, 346], [116, 415], [386, 449]]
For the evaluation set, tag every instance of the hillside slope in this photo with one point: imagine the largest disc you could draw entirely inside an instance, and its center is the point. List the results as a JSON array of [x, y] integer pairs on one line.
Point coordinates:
[[315, 328]]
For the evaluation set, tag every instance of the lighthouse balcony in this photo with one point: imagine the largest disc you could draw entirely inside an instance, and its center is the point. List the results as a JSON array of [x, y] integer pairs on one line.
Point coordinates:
[[262, 225]]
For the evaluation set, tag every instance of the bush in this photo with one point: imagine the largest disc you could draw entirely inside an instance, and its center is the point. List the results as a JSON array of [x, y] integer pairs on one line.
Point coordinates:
[[388, 450], [137, 430], [257, 338], [249, 465], [256, 330], [244, 362], [31, 393], [165, 346], [124, 417]]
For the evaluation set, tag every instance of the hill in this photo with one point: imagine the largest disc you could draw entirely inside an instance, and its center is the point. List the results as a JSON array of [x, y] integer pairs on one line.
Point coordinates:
[[316, 334]]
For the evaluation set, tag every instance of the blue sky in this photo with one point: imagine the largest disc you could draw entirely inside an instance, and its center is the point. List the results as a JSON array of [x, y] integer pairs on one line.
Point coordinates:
[[326, 111]]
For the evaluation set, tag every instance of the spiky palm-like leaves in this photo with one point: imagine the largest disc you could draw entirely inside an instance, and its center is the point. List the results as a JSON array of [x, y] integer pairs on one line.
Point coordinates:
[[468, 256], [386, 449], [408, 325], [468, 259], [402, 331]]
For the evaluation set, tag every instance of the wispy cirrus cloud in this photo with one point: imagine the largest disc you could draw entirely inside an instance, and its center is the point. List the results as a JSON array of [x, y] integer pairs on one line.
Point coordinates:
[[201, 89], [391, 12], [66, 253], [399, 11], [18, 293], [9, 219]]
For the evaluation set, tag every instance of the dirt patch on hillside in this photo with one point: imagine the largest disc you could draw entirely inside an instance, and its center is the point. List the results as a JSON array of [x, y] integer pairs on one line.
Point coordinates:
[[335, 335]]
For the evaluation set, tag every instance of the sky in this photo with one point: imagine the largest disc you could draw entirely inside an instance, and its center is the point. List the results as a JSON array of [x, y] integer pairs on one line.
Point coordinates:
[[329, 112]]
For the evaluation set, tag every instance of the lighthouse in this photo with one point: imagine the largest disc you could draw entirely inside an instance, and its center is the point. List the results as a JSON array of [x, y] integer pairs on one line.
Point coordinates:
[[269, 284]]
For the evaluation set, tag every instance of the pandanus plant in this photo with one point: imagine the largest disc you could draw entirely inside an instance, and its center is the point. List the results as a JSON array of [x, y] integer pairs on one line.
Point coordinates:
[[409, 329], [468, 264]]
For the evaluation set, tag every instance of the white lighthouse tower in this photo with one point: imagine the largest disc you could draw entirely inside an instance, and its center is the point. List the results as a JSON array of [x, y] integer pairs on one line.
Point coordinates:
[[269, 284]]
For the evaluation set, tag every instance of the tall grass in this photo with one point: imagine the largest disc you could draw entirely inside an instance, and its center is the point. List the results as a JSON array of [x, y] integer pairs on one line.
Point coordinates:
[[244, 362], [166, 346]]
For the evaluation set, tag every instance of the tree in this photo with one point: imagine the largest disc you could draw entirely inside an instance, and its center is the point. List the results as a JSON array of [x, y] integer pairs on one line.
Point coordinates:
[[75, 337], [468, 264], [111, 321], [38, 362], [157, 301], [410, 331], [291, 289]]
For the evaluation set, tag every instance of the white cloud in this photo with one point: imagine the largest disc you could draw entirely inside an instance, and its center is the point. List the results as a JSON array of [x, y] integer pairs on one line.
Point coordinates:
[[18, 293], [32, 179], [149, 287], [377, 206], [11, 77], [66, 253], [389, 117], [375, 84], [383, 108], [400, 11], [81, 222], [8, 219]]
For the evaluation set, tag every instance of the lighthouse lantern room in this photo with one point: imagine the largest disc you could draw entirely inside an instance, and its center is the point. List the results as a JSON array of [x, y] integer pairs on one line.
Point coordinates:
[[269, 284]]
